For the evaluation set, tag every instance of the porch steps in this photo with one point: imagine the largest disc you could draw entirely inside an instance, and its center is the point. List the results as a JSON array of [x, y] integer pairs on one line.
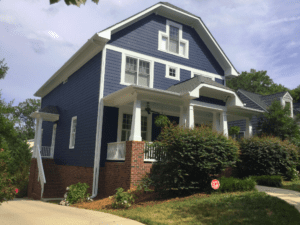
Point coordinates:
[[54, 186]]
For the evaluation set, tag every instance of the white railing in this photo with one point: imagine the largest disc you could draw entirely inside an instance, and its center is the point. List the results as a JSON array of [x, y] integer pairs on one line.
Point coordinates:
[[116, 151], [41, 176], [151, 152], [47, 152]]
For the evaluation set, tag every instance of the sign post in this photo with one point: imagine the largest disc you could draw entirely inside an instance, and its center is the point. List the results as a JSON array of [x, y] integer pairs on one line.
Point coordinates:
[[215, 184]]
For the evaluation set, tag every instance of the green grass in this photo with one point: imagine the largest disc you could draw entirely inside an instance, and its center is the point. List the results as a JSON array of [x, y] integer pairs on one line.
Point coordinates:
[[291, 185], [54, 201], [250, 207]]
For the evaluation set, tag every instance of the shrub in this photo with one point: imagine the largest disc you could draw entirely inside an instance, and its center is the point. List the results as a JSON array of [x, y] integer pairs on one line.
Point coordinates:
[[7, 190], [266, 156], [272, 181], [233, 184], [77, 193], [122, 199], [192, 158], [234, 130]]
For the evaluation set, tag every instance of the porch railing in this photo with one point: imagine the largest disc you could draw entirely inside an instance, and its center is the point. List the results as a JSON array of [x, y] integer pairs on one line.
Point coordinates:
[[41, 176], [47, 152], [116, 151], [152, 153]]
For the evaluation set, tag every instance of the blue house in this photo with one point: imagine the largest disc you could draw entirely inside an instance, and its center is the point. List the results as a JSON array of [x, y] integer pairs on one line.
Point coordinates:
[[99, 107]]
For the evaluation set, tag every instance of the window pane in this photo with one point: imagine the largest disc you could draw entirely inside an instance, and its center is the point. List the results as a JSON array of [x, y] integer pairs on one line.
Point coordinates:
[[172, 72], [73, 140], [144, 123], [144, 73], [173, 46], [74, 125], [174, 39], [182, 48], [131, 70], [144, 80], [164, 43], [144, 136], [130, 77], [123, 138]]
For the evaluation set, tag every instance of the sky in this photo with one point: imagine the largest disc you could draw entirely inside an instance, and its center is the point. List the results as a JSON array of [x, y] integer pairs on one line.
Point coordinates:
[[37, 38]]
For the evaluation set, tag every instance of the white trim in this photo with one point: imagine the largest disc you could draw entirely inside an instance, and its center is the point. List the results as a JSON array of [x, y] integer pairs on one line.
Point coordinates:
[[177, 72], [123, 68], [180, 41], [162, 61], [99, 127], [71, 139], [288, 98], [53, 137], [41, 140], [128, 110], [204, 75]]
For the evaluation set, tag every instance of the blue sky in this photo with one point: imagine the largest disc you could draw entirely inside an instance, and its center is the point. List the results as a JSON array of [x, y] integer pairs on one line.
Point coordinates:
[[37, 38]]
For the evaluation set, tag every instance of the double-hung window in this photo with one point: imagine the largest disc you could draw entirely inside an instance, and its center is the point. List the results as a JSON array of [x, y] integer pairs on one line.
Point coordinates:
[[137, 71], [172, 42], [126, 127], [73, 132]]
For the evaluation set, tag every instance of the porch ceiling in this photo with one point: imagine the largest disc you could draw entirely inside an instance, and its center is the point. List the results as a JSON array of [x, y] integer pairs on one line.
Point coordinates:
[[46, 116]]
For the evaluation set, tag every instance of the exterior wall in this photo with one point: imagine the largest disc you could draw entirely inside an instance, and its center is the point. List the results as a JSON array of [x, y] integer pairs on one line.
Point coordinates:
[[34, 187], [78, 97], [142, 37], [242, 124]]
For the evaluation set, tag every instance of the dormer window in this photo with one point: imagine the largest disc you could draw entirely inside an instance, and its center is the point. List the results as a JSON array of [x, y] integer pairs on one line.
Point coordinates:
[[172, 41]]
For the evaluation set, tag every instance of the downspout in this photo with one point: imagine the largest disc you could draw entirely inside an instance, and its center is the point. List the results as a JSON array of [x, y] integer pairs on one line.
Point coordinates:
[[99, 125]]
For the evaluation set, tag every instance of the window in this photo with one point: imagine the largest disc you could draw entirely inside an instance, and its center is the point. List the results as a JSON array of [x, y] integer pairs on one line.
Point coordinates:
[[289, 105], [126, 127], [203, 76], [73, 132], [137, 71], [53, 135], [172, 41], [172, 72]]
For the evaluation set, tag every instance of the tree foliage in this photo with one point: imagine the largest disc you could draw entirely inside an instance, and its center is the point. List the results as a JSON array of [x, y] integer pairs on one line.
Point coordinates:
[[3, 69], [277, 122], [73, 2], [26, 124]]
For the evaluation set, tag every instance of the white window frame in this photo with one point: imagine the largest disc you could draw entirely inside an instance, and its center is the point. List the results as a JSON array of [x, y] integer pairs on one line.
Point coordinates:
[[284, 100], [70, 142], [137, 57], [53, 135], [128, 110], [181, 40], [177, 71]]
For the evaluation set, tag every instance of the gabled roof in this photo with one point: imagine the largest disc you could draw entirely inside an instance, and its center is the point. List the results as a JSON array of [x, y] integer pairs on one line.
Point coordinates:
[[255, 98], [191, 84], [268, 99]]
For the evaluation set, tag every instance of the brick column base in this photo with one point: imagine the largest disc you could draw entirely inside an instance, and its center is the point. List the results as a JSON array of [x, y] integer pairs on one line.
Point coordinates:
[[34, 187]]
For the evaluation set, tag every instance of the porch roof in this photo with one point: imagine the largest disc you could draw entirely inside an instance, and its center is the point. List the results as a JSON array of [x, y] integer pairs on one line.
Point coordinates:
[[48, 113]]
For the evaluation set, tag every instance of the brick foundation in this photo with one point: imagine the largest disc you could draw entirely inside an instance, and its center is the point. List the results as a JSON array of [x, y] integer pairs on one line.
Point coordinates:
[[34, 187]]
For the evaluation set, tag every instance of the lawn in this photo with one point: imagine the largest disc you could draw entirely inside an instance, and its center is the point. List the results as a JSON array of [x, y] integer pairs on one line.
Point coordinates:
[[291, 185], [231, 208]]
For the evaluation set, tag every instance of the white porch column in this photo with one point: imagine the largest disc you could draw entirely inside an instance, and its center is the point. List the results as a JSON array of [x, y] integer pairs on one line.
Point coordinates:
[[248, 133], [191, 116], [223, 123], [183, 116], [135, 134], [35, 138], [39, 131]]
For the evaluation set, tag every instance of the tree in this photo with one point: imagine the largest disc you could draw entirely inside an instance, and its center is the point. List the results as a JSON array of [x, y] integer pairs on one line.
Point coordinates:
[[277, 122], [73, 2], [3, 69], [295, 93], [25, 122]]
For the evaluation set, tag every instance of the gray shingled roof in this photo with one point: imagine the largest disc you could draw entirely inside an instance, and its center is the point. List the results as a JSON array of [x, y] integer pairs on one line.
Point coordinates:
[[50, 109], [268, 99], [256, 98], [296, 107], [191, 84]]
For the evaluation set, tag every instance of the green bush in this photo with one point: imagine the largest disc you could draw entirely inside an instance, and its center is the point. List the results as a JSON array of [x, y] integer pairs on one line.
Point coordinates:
[[233, 184], [192, 158], [271, 181], [122, 199], [77, 193], [266, 156], [7, 190]]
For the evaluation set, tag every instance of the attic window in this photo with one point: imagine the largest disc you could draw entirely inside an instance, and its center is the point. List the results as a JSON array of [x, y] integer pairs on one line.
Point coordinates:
[[172, 41], [172, 72]]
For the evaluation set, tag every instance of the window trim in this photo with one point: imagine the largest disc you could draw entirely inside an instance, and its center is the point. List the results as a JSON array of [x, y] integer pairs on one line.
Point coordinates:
[[53, 136], [204, 75], [72, 123], [127, 110], [123, 68], [284, 100], [177, 71], [166, 34]]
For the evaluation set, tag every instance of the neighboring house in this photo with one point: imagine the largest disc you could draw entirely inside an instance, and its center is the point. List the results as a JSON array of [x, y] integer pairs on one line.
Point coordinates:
[[97, 109], [31, 144], [262, 102]]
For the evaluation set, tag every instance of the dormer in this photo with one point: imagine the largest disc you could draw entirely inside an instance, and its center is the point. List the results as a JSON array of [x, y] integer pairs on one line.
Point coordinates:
[[287, 100]]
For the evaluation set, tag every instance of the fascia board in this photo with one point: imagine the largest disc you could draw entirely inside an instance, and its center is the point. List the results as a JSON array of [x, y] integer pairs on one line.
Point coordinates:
[[189, 20], [235, 102], [85, 53], [288, 96]]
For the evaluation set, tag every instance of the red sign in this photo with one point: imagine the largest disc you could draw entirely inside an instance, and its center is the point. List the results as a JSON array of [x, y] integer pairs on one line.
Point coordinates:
[[215, 184]]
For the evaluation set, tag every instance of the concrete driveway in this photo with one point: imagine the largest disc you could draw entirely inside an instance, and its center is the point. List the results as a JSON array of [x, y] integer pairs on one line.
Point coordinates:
[[32, 212]]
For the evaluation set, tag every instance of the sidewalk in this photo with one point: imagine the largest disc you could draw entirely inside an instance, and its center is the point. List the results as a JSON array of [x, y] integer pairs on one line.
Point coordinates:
[[291, 197]]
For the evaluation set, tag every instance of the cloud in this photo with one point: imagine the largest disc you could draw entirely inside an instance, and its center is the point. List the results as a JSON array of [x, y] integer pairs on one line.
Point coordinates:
[[294, 55], [283, 20]]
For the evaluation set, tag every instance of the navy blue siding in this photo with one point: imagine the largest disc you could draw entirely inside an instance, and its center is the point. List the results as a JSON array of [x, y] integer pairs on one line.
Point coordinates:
[[142, 37], [78, 97], [184, 75], [210, 100], [112, 77], [109, 131], [47, 133], [242, 124], [220, 81]]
